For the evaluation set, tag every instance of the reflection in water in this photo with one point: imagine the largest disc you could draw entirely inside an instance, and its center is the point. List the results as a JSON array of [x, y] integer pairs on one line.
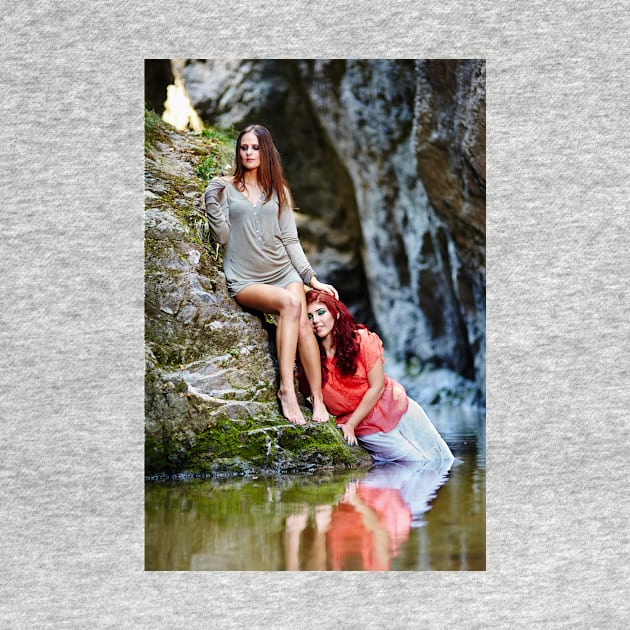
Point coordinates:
[[402, 517], [365, 530]]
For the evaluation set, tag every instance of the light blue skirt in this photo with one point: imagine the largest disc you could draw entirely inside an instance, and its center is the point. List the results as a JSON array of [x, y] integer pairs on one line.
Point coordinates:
[[414, 439]]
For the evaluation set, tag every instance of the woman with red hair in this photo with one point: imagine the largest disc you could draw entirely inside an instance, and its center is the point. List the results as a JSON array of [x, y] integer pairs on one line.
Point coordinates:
[[371, 409], [251, 215]]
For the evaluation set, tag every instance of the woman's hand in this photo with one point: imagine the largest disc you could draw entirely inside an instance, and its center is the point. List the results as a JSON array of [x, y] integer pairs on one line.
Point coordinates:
[[350, 493], [326, 288], [376, 386], [348, 434]]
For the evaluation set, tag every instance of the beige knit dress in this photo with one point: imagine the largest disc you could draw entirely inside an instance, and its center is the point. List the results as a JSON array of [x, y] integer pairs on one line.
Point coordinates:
[[260, 246]]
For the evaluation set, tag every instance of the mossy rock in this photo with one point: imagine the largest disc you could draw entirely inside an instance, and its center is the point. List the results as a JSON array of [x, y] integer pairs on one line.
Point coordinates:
[[210, 379], [251, 446]]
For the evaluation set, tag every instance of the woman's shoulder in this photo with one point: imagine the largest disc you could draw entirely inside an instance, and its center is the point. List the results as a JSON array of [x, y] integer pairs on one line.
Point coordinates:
[[366, 333], [216, 182], [223, 179], [220, 183], [371, 344]]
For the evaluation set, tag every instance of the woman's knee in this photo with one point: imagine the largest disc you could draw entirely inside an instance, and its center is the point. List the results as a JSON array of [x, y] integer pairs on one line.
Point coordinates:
[[305, 330], [291, 307]]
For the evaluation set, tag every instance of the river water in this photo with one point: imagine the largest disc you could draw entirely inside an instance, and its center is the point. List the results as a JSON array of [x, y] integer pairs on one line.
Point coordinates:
[[398, 517]]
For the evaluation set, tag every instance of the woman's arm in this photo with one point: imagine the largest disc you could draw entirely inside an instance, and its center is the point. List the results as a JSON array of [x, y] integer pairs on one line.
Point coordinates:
[[376, 386], [217, 210], [380, 536], [289, 232]]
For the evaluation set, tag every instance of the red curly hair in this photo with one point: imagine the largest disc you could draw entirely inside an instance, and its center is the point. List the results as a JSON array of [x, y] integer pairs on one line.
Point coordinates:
[[343, 334]]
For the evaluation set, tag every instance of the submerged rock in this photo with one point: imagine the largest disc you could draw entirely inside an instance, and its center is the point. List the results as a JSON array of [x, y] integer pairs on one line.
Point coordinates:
[[210, 380]]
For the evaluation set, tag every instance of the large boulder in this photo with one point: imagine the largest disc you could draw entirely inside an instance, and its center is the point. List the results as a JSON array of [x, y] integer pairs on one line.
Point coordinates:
[[211, 376]]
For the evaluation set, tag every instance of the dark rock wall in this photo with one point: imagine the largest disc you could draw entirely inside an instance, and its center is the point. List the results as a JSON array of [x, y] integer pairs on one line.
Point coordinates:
[[158, 75], [386, 159], [451, 163]]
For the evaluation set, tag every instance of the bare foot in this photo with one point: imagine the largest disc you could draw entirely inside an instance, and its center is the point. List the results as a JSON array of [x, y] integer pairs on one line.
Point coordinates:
[[294, 527], [323, 518], [289, 407], [296, 523], [320, 413]]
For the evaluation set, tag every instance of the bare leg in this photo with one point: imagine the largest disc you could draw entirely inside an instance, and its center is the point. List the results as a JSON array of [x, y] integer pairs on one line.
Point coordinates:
[[295, 525], [283, 303], [310, 357], [317, 559]]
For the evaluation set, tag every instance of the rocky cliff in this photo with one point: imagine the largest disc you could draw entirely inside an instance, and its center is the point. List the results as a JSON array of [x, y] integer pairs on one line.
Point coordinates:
[[386, 159], [210, 372]]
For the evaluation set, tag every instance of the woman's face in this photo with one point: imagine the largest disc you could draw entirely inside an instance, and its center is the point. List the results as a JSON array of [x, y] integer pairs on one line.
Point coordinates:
[[249, 151], [321, 319]]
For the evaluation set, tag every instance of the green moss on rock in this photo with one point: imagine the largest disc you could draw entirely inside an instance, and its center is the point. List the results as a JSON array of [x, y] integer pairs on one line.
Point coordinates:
[[249, 446]]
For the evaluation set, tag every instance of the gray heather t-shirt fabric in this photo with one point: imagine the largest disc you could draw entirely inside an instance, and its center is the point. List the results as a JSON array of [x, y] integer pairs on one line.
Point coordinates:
[[260, 246]]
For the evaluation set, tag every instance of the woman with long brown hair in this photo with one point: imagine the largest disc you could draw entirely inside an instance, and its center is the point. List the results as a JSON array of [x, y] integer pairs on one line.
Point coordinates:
[[371, 409], [251, 214]]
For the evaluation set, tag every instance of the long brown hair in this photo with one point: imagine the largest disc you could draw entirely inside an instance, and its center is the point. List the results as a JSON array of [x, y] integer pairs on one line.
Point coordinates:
[[343, 333], [270, 174]]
